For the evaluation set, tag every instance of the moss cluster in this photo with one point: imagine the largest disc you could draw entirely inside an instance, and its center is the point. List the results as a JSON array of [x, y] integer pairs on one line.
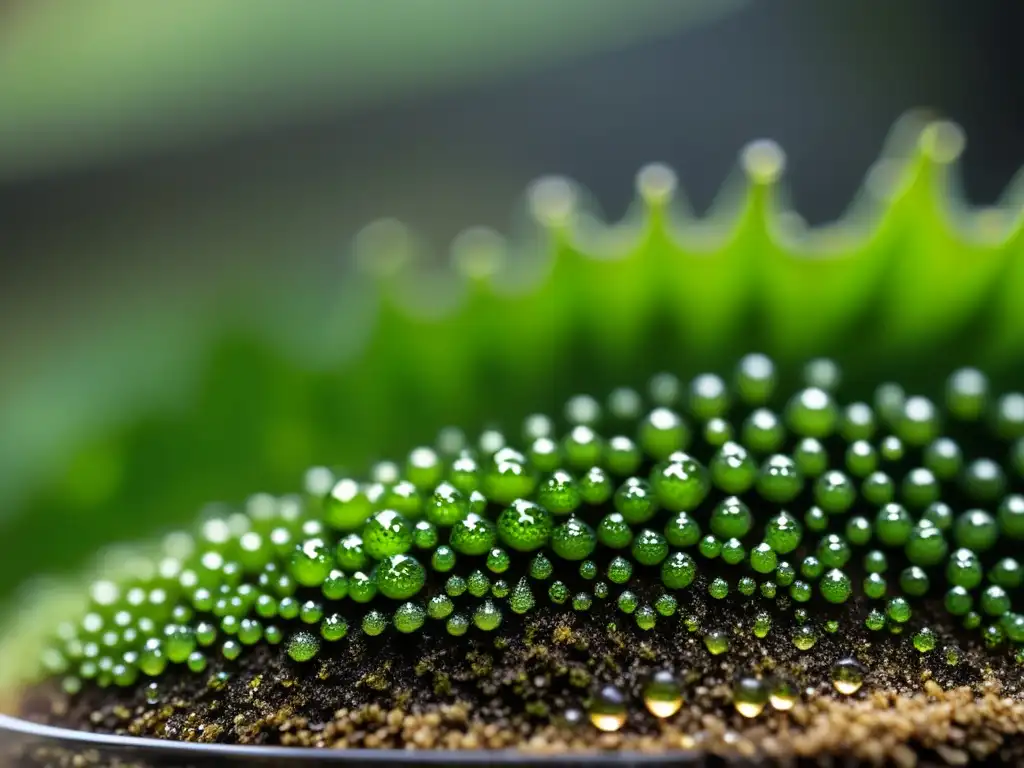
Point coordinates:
[[791, 499]]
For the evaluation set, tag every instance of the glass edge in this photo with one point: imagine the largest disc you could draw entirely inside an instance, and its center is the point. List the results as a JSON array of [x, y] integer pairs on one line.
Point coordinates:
[[18, 732]]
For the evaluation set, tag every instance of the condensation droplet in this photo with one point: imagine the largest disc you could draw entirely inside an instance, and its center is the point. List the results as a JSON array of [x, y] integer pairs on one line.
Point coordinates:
[[750, 696], [784, 695], [663, 695], [763, 161], [943, 141], [552, 200], [656, 183], [848, 676], [608, 709]]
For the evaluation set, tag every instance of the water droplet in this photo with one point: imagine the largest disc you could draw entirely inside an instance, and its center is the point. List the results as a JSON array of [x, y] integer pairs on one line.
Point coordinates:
[[750, 696], [804, 637], [784, 694], [942, 141], [663, 695], [952, 655], [608, 709], [848, 676], [716, 641], [763, 161], [552, 200], [762, 624], [656, 183]]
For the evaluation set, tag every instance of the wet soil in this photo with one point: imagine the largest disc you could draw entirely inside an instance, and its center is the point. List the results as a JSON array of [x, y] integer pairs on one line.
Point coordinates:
[[526, 686]]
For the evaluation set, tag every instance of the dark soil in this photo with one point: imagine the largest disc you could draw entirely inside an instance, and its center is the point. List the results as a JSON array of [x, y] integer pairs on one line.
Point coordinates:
[[526, 686]]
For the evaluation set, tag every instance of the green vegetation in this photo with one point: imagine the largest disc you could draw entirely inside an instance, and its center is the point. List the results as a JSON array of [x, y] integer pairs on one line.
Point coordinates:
[[860, 289], [281, 562]]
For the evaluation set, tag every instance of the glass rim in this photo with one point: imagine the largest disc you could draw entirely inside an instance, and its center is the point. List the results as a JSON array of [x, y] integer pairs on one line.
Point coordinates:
[[18, 732]]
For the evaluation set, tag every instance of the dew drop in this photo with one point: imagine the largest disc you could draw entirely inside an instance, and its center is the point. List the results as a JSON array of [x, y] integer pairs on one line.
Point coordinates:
[[608, 709], [763, 161], [750, 696], [848, 676], [552, 200], [805, 637], [656, 183], [663, 695], [952, 655], [716, 641], [784, 695]]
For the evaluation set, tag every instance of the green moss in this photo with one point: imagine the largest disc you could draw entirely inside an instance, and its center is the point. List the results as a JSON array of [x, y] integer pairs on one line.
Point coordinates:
[[646, 534]]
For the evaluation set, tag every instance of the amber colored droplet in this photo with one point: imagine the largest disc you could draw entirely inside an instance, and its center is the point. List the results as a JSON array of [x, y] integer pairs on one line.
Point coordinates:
[[608, 709], [784, 695], [750, 696], [848, 676], [663, 695]]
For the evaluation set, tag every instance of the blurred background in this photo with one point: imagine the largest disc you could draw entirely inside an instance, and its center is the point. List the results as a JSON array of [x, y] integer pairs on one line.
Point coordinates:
[[180, 184]]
